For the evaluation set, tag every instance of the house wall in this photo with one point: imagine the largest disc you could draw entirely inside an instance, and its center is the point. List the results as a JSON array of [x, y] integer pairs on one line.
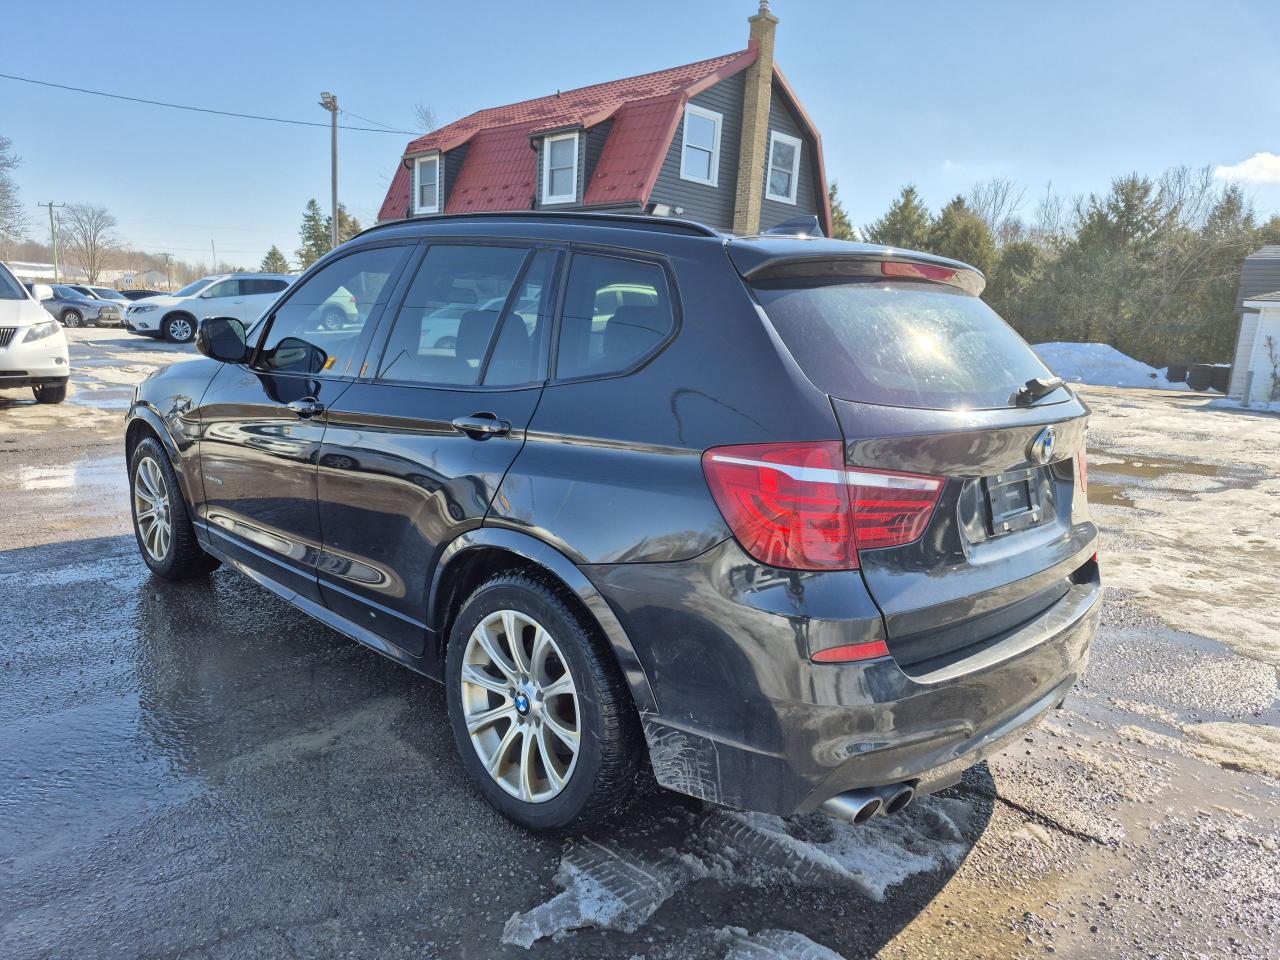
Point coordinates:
[[1244, 352], [452, 168], [710, 205], [784, 120], [1260, 274], [1267, 325]]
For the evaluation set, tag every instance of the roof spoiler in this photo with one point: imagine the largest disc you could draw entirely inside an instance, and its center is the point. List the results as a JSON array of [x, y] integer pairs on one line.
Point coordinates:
[[766, 258], [804, 226]]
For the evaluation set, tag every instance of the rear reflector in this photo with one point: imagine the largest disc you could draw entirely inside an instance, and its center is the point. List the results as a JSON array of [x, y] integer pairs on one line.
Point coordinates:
[[798, 506], [852, 651], [918, 271], [1082, 462]]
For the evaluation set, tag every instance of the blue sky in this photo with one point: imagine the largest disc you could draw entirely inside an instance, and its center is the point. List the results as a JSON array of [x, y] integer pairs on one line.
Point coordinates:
[[940, 94]]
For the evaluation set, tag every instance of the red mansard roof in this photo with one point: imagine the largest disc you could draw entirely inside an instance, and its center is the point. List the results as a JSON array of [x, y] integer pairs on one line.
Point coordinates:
[[500, 166]]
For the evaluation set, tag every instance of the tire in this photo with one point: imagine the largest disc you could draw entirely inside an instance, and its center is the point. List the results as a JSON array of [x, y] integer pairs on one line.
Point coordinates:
[[72, 318], [50, 392], [176, 555], [179, 328], [333, 318], [600, 777]]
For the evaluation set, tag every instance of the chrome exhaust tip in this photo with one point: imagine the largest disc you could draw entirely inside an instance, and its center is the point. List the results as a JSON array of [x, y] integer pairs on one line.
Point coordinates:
[[853, 806], [898, 797]]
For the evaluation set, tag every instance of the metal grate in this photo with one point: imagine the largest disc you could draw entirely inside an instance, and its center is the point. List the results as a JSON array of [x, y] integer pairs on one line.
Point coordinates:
[[6, 335]]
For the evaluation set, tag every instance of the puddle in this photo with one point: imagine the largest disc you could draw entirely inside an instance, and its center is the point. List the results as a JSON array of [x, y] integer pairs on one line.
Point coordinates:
[[1114, 480]]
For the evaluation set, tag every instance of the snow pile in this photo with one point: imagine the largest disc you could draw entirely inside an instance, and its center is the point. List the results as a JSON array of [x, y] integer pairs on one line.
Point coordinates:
[[1101, 365]]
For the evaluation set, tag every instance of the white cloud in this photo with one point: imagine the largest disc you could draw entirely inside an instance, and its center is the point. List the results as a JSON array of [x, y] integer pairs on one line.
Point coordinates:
[[1260, 168]]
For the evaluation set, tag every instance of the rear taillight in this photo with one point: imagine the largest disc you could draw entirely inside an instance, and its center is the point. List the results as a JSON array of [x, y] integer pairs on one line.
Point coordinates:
[[798, 506], [917, 271]]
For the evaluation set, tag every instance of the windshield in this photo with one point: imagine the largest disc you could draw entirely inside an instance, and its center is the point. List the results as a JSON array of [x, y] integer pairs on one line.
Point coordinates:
[[191, 289], [107, 294], [10, 289], [903, 344], [67, 293]]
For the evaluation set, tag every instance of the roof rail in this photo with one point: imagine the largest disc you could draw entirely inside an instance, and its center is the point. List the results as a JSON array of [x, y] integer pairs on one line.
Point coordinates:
[[622, 219]]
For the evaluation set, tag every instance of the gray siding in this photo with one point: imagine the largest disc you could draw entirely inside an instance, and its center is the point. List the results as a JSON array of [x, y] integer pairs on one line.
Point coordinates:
[[452, 167], [596, 138], [579, 189], [1260, 274], [782, 119], [710, 205]]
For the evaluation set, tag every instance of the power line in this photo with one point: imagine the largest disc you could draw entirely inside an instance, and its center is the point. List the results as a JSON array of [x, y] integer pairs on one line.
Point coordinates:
[[390, 129], [181, 106]]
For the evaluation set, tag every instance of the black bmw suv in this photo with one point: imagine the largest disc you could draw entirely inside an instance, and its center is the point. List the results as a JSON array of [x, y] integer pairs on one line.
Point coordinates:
[[796, 523]]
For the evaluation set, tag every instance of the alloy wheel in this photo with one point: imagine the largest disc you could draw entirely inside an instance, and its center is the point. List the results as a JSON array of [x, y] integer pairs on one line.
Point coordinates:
[[151, 509], [520, 705], [180, 329]]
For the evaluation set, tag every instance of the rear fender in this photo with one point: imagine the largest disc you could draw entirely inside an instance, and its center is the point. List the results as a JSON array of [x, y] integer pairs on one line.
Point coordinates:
[[553, 561]]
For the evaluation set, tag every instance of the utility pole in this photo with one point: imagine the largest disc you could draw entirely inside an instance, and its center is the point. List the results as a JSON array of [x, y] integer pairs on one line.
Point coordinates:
[[330, 103], [53, 235], [214, 251], [168, 279]]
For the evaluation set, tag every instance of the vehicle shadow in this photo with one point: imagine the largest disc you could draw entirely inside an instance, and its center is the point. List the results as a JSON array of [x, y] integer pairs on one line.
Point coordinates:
[[299, 788]]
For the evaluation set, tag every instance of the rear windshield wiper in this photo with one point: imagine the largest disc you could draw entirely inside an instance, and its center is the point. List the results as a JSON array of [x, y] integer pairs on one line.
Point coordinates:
[[1034, 389]]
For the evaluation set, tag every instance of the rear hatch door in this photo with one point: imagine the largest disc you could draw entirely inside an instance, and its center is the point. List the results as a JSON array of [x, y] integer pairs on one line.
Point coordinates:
[[922, 376]]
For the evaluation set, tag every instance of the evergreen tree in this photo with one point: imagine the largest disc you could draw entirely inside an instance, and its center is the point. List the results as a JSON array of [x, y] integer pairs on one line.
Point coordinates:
[[274, 261], [961, 234], [348, 226], [905, 225], [841, 227], [314, 235]]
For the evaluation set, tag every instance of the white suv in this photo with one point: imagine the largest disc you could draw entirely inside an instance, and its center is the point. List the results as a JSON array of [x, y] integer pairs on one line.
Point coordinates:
[[33, 348], [174, 316]]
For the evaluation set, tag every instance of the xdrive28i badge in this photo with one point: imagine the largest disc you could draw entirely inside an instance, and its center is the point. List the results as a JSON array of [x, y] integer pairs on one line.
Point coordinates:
[[1041, 449]]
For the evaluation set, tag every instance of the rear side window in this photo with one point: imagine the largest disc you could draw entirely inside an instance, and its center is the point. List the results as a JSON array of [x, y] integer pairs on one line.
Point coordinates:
[[255, 287], [616, 313], [903, 344]]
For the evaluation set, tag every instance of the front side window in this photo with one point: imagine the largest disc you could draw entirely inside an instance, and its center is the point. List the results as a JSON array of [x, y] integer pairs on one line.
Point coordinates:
[[318, 329], [427, 191], [616, 313], [191, 289], [10, 289], [784, 168], [700, 156], [442, 331], [227, 288], [560, 172]]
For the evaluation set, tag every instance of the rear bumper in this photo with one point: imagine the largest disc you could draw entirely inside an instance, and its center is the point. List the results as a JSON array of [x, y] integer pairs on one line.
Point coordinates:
[[745, 719]]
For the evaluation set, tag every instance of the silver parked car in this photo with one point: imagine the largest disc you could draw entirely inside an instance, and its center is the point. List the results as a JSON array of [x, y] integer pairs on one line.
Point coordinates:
[[74, 309]]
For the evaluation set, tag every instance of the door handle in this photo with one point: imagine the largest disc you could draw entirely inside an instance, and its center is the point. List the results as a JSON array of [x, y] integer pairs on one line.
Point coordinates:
[[306, 408], [482, 425]]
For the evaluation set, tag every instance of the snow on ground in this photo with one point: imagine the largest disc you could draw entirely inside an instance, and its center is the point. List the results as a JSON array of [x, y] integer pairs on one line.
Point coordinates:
[[608, 885], [1102, 365]]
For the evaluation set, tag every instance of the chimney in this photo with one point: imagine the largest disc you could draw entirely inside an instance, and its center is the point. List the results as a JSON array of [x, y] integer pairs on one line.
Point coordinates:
[[752, 161]]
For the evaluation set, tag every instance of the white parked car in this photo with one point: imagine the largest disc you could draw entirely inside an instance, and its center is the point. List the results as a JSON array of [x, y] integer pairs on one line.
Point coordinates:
[[33, 348], [174, 316]]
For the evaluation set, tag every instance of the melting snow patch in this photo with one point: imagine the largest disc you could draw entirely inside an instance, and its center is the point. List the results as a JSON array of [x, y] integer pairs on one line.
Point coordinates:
[[1102, 365], [773, 945], [603, 887]]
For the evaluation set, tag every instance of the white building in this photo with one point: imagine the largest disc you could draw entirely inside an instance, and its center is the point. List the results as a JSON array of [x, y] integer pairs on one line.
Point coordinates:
[[1255, 378]]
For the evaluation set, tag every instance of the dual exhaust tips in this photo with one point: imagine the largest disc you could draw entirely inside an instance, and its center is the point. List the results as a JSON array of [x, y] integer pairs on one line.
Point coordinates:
[[859, 806]]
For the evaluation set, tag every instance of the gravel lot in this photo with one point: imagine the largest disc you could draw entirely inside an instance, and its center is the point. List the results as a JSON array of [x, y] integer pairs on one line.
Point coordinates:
[[198, 771]]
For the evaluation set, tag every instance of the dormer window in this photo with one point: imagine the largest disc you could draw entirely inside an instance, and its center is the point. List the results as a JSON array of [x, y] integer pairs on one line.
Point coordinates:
[[700, 152], [560, 169], [426, 184], [784, 168]]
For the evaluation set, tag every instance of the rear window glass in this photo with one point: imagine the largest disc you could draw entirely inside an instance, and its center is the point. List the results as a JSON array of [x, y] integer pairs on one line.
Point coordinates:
[[616, 313], [904, 344]]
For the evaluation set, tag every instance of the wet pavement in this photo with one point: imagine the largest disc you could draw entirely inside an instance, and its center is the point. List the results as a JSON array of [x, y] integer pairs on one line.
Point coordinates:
[[197, 770]]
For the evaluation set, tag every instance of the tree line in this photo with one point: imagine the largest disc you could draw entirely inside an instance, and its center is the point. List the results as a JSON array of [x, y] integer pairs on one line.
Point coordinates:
[[1151, 266]]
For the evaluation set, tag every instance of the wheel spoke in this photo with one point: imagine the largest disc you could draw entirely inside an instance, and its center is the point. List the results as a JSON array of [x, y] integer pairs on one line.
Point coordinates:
[[148, 514], [548, 760], [526, 764], [496, 758], [495, 656], [478, 721], [515, 641], [559, 688], [568, 737], [473, 674]]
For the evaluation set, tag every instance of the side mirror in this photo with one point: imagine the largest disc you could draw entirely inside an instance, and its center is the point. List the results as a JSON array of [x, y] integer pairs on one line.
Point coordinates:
[[222, 338], [42, 291]]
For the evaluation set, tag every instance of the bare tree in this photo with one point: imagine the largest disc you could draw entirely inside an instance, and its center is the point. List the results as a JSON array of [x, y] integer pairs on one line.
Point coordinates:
[[996, 202], [1051, 218], [424, 117], [90, 236], [13, 220]]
